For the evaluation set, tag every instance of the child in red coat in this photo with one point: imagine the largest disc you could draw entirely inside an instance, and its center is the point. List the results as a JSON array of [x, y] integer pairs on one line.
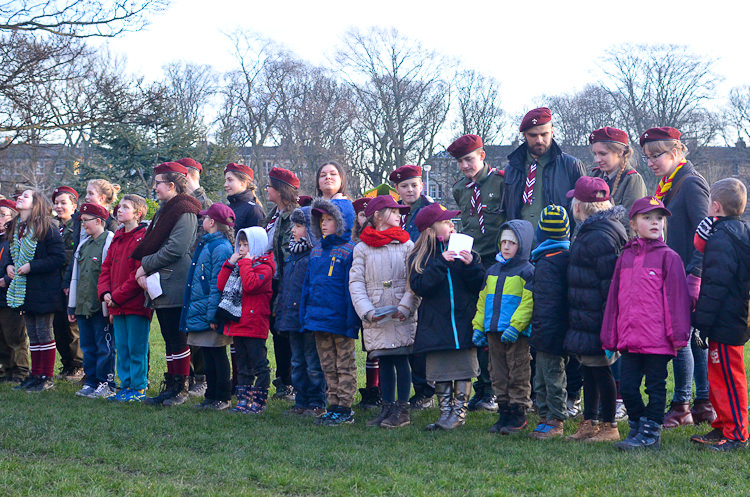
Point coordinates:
[[248, 274]]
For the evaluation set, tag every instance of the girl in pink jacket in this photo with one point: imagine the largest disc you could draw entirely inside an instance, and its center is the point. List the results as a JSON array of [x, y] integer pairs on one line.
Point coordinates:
[[647, 319]]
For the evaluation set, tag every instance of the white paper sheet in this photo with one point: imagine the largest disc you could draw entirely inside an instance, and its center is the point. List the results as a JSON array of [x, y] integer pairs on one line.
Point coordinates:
[[458, 242], [153, 285]]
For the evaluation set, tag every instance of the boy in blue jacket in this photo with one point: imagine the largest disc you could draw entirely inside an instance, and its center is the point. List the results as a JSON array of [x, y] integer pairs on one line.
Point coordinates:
[[327, 310], [503, 320]]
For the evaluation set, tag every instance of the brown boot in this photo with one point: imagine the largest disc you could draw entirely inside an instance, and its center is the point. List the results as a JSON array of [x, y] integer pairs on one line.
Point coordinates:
[[678, 414], [703, 412], [553, 429], [586, 429], [608, 432], [398, 417]]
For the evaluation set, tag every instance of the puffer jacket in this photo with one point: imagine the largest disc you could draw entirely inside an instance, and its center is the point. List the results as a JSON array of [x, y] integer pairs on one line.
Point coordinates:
[[118, 274], [648, 308], [326, 304], [290, 296], [247, 212], [506, 300], [378, 279], [722, 309], [449, 293], [257, 280], [549, 319], [202, 295], [593, 256]]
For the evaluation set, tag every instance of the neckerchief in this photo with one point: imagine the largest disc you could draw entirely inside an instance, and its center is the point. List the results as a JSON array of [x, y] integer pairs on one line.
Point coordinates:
[[666, 183]]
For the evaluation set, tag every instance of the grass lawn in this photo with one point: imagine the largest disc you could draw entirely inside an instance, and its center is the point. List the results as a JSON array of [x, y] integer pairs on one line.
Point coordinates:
[[54, 443]]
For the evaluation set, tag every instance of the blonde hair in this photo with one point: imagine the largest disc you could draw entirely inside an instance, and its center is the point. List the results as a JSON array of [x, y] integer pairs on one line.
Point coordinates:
[[731, 194], [139, 204], [371, 219], [625, 152], [659, 146], [426, 246], [108, 190], [589, 208]]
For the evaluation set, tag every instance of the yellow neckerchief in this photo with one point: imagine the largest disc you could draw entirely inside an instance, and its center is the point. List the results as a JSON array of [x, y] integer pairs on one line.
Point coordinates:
[[666, 183]]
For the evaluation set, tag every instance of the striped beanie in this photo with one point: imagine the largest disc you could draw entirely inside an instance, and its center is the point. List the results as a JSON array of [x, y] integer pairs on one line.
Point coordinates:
[[553, 224]]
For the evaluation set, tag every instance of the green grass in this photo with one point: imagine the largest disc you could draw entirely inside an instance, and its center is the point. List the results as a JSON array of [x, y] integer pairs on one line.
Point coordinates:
[[54, 443]]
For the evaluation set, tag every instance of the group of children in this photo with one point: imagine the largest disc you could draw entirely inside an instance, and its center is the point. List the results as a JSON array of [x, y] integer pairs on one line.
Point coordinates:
[[599, 298]]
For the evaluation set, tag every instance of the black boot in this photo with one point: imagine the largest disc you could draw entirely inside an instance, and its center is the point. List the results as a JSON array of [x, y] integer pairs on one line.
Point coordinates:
[[503, 409], [167, 388], [462, 389], [516, 420], [370, 398], [180, 392], [648, 437], [444, 393]]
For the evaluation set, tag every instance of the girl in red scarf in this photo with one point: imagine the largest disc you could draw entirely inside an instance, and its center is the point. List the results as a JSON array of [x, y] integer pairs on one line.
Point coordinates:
[[380, 294]]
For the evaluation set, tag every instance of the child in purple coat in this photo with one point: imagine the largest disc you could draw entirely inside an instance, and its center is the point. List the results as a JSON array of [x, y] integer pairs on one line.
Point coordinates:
[[647, 319]]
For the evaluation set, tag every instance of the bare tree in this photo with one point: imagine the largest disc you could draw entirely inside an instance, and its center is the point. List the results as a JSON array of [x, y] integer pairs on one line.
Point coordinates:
[[479, 110], [576, 115], [402, 98], [738, 114]]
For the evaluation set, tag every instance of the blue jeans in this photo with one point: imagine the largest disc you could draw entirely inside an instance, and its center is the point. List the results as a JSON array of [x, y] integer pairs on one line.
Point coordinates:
[[97, 344], [307, 375], [691, 363], [131, 337]]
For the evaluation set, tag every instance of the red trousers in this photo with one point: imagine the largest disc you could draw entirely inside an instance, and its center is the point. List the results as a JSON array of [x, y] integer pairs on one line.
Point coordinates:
[[728, 389]]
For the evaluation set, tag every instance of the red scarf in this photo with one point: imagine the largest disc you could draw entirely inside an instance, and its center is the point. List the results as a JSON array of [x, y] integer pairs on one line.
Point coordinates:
[[375, 238]]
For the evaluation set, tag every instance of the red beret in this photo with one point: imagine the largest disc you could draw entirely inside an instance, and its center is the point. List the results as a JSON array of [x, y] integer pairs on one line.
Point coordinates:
[[95, 210], [590, 189], [607, 134], [64, 189], [465, 145], [170, 167], [536, 117], [240, 168], [361, 204], [304, 200], [285, 176], [10, 204], [407, 172], [659, 134], [220, 213], [429, 215], [188, 162], [647, 204], [384, 202]]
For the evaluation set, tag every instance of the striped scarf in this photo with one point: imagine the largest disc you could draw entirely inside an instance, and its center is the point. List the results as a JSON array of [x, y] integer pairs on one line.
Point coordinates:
[[22, 251], [666, 183]]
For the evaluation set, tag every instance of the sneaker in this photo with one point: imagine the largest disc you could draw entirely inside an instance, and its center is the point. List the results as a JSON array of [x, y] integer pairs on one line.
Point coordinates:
[[218, 405], [43, 383], [295, 411], [473, 401], [87, 391], [103, 391], [284, 392], [314, 412], [727, 444], [573, 407], [340, 417], [712, 437], [421, 402], [487, 403], [28, 382], [135, 395], [621, 414], [120, 395], [198, 386], [323, 418]]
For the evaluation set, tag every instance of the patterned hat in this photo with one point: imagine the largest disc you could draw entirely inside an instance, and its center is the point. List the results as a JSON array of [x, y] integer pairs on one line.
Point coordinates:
[[240, 168], [170, 167], [188, 162], [405, 172], [95, 210], [464, 145], [285, 176], [660, 134], [535, 117], [554, 223], [607, 134], [64, 189]]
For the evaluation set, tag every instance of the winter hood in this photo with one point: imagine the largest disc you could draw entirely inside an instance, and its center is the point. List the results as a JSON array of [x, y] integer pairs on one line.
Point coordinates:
[[257, 240], [342, 212], [524, 232]]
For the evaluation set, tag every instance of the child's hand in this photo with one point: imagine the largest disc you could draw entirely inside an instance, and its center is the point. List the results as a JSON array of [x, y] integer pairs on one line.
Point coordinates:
[[399, 315], [2, 283], [214, 326], [449, 255], [234, 258], [11, 271], [479, 338], [466, 256], [375, 319], [71, 318], [25, 269]]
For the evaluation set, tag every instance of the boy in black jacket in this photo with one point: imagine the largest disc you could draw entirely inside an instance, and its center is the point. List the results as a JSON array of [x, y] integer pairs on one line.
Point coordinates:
[[722, 315], [549, 321]]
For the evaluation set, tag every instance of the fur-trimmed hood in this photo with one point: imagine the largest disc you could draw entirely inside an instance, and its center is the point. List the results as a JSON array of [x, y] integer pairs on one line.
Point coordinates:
[[612, 214], [321, 205], [302, 215]]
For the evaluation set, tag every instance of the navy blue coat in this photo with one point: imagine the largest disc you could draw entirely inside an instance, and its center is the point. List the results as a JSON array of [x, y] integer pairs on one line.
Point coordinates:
[[44, 283], [410, 226], [292, 287], [247, 212]]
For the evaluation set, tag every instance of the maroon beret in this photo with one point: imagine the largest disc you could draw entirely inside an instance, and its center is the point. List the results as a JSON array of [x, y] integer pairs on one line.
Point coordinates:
[[360, 204], [304, 200], [285, 176], [659, 134], [465, 145], [590, 189], [384, 202], [170, 167], [429, 215], [64, 189], [10, 204], [407, 172], [607, 134], [240, 168], [647, 204], [188, 162], [536, 117], [220, 213], [95, 210]]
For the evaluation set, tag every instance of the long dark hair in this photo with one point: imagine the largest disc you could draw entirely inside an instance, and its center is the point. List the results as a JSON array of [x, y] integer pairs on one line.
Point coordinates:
[[287, 193], [342, 174], [39, 217]]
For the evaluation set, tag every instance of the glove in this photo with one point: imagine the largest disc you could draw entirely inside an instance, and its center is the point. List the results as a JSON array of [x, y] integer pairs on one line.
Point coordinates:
[[609, 354], [510, 335], [699, 341], [479, 338], [703, 233], [694, 290]]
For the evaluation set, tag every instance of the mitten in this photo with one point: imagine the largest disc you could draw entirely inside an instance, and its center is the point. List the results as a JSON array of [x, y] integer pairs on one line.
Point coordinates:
[[510, 335], [703, 233], [694, 290], [479, 338]]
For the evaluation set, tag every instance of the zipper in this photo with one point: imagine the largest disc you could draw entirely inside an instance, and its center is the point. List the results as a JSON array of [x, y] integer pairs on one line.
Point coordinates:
[[453, 310], [330, 269]]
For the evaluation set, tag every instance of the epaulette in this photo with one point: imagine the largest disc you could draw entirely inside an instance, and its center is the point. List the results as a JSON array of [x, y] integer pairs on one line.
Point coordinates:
[[632, 171], [499, 172]]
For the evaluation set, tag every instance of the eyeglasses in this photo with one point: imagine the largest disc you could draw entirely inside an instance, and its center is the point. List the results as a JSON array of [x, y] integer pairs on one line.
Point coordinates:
[[88, 219], [645, 158]]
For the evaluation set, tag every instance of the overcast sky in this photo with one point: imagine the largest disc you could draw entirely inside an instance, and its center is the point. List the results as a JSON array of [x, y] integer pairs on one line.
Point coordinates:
[[532, 47]]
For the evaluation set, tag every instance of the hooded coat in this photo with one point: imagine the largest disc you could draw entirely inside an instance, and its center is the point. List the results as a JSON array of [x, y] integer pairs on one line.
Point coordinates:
[[326, 304], [257, 279], [593, 256], [506, 300], [293, 279], [549, 318]]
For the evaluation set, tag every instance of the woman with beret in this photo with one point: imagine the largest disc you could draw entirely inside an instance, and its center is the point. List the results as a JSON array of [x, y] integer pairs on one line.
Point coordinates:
[[685, 193], [165, 249], [239, 183]]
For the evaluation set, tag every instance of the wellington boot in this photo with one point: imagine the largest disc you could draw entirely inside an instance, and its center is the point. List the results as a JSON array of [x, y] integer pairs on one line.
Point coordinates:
[[260, 399], [462, 389], [444, 394]]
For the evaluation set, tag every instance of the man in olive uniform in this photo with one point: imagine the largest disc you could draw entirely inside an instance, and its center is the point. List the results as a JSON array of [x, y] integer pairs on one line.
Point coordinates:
[[479, 195]]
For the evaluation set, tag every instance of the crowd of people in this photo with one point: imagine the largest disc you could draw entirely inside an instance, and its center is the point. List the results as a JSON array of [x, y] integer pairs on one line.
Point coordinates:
[[572, 282]]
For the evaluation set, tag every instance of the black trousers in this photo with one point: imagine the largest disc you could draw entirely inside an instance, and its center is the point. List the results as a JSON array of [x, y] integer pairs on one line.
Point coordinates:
[[599, 386], [633, 368], [252, 362], [218, 379], [67, 341], [175, 341]]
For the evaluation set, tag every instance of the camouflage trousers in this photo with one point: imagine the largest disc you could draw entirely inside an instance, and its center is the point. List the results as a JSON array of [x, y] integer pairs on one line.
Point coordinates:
[[337, 360]]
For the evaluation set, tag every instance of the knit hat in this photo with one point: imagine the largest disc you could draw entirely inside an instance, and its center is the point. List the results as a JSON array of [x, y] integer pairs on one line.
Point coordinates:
[[553, 224]]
